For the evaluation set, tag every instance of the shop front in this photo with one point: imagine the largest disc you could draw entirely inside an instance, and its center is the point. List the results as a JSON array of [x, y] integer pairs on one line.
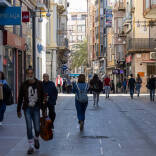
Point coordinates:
[[13, 60]]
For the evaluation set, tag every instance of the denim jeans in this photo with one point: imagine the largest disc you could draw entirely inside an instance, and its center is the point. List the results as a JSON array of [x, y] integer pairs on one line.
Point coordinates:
[[138, 86], [32, 115], [107, 90], [152, 94], [2, 110], [96, 97], [131, 92], [81, 109]]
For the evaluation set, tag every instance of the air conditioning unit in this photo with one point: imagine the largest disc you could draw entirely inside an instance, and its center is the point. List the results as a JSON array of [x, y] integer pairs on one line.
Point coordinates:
[[153, 55]]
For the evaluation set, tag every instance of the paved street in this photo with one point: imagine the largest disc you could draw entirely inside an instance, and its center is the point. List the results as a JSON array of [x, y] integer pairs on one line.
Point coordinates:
[[119, 127]]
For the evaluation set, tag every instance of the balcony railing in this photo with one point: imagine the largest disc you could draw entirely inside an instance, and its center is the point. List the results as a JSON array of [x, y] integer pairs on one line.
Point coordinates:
[[141, 44], [149, 8]]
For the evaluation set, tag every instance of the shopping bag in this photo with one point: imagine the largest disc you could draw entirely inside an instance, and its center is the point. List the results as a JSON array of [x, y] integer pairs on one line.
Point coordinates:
[[46, 132]]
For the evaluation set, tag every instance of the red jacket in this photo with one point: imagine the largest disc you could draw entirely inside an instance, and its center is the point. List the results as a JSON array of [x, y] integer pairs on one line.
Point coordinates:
[[61, 81], [107, 81]]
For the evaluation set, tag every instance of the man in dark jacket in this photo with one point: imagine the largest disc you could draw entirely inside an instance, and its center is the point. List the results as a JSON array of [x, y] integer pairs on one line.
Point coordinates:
[[152, 86], [51, 92], [131, 85], [31, 100]]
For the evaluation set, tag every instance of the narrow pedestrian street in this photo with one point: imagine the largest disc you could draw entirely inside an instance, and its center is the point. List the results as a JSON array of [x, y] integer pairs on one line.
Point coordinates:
[[118, 127]]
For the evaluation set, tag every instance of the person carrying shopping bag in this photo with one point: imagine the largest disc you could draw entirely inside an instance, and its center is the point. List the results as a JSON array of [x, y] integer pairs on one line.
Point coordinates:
[[81, 99]]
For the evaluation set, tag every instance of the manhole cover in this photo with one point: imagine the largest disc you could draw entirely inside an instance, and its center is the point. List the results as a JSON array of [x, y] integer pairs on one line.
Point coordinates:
[[95, 137]]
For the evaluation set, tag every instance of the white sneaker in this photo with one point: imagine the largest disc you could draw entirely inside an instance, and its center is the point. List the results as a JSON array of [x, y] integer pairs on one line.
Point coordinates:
[[0, 123]]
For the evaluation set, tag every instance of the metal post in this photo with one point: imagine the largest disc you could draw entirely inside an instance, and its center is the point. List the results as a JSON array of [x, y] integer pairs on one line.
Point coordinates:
[[34, 40]]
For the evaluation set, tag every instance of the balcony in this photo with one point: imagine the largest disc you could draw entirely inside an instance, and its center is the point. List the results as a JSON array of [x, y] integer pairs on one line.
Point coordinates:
[[141, 45], [121, 6], [149, 8], [5, 3], [42, 4]]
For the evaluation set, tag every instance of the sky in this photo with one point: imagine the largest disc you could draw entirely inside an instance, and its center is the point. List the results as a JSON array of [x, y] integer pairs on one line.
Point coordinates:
[[79, 5]]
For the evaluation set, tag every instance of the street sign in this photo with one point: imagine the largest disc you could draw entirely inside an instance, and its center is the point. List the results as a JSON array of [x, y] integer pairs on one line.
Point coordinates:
[[74, 75], [10, 16], [64, 67], [25, 16]]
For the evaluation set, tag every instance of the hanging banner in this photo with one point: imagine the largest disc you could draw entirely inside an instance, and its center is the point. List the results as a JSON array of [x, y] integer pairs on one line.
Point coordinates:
[[109, 17], [10, 16]]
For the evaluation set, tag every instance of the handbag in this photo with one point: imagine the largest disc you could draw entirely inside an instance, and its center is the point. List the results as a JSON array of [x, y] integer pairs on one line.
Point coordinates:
[[46, 132]]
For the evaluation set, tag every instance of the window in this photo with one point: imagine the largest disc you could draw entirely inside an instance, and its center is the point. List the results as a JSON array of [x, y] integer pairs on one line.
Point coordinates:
[[83, 17], [79, 28], [83, 28], [74, 17]]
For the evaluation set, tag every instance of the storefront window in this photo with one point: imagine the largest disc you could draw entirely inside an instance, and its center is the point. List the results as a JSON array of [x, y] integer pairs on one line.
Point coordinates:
[[8, 66], [151, 69]]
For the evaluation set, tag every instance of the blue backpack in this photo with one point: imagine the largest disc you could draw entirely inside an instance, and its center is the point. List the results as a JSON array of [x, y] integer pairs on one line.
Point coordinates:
[[82, 96]]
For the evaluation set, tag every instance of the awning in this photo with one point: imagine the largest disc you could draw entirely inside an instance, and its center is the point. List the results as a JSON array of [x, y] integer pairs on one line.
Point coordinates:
[[149, 61]]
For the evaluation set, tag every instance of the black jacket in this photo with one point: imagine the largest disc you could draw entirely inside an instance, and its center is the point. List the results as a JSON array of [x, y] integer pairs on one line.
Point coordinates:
[[50, 89], [23, 99], [152, 83], [131, 83]]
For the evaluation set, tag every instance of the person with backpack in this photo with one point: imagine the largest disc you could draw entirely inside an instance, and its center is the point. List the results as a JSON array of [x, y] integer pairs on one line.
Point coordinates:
[[107, 86], [96, 86], [131, 85], [138, 84], [81, 99], [5, 96]]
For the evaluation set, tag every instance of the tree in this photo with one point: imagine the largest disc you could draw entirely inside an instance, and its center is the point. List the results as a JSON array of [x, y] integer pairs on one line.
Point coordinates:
[[80, 56]]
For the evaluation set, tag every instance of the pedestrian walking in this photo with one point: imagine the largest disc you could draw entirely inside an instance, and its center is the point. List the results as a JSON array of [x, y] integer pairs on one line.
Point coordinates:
[[59, 83], [107, 86], [96, 86], [64, 86], [31, 101], [138, 84], [124, 86], [152, 86], [81, 99], [5, 95], [51, 92], [69, 86], [112, 86], [131, 85]]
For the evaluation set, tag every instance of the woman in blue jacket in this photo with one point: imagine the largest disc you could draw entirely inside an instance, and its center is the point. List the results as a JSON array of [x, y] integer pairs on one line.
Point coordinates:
[[81, 99]]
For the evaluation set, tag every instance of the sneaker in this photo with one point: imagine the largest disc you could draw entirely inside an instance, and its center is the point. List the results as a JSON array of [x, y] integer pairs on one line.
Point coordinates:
[[36, 143], [30, 150], [81, 125]]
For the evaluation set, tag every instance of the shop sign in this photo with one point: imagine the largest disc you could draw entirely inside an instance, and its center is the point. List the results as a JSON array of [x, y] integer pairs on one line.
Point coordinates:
[[142, 74], [74, 75], [39, 48], [10, 16], [25, 16], [129, 59], [109, 17], [116, 71], [14, 41]]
